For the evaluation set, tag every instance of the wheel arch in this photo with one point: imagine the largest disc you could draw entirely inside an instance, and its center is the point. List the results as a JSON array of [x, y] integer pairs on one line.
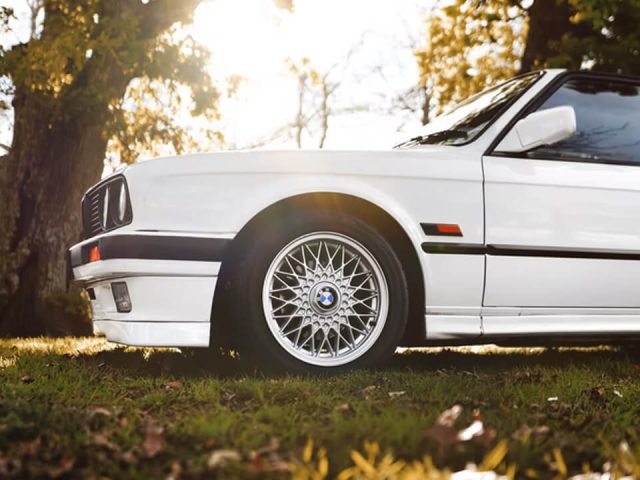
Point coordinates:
[[385, 223]]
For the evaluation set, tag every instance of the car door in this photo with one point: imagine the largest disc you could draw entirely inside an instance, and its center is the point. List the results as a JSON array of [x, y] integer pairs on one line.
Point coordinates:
[[563, 221]]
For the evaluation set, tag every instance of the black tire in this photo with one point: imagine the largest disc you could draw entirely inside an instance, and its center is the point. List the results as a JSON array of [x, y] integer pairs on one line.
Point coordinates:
[[255, 341]]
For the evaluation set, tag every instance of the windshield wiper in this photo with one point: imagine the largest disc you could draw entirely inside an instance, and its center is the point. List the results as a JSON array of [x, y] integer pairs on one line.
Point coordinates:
[[432, 138]]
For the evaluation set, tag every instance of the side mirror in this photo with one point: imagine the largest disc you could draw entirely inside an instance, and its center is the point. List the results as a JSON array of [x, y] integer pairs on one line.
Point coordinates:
[[544, 127]]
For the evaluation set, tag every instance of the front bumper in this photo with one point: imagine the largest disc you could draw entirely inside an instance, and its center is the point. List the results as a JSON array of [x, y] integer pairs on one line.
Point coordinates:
[[170, 279]]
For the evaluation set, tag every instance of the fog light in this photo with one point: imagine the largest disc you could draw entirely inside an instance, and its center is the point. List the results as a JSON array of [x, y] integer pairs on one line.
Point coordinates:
[[121, 297]]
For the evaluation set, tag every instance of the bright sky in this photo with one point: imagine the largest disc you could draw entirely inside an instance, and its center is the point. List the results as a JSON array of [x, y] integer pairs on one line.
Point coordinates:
[[253, 39]]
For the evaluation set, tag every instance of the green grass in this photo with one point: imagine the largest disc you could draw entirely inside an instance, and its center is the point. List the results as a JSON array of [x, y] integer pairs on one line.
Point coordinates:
[[82, 407]]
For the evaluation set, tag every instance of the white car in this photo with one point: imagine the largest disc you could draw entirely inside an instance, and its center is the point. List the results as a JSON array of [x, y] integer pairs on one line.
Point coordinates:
[[513, 219]]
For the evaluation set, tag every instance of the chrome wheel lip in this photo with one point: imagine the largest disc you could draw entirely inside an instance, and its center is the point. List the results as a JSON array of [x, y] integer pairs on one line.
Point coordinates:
[[365, 342]]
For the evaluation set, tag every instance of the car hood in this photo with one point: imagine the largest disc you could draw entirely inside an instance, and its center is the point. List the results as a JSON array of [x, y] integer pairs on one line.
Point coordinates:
[[293, 161]]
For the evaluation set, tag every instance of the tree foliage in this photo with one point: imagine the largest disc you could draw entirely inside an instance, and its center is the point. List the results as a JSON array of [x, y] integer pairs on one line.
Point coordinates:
[[471, 44], [84, 44]]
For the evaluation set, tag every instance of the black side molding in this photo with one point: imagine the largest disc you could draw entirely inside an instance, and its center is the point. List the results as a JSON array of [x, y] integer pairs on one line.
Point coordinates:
[[454, 248], [153, 247], [515, 251]]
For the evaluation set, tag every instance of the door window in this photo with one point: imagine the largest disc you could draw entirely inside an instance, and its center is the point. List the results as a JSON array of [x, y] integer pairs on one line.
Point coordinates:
[[607, 117]]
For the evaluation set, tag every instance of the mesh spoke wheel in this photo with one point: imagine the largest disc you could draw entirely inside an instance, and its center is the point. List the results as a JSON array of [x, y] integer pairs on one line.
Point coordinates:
[[325, 299]]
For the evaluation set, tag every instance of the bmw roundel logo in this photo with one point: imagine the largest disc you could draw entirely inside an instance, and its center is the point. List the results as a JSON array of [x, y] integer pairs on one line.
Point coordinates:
[[326, 299]]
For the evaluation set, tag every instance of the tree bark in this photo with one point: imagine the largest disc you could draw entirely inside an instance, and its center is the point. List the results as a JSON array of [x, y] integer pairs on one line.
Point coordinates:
[[549, 21], [57, 152], [53, 160]]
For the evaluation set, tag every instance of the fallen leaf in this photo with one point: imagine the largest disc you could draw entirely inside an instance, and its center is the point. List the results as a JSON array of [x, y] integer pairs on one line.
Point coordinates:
[[226, 398], [176, 471], [443, 435], [474, 430], [27, 379], [94, 411], [343, 407], [443, 432], [525, 432], [211, 442], [397, 394], [101, 439], [65, 465], [129, 456], [154, 443], [4, 465], [446, 435], [596, 393], [174, 385], [367, 391], [477, 431], [222, 457], [268, 458], [449, 416], [29, 449]]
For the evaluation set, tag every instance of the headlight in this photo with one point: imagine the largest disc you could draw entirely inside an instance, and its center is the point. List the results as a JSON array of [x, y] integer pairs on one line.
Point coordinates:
[[106, 206], [122, 203]]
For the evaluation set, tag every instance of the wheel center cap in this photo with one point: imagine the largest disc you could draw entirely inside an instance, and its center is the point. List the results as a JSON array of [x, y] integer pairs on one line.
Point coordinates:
[[326, 298]]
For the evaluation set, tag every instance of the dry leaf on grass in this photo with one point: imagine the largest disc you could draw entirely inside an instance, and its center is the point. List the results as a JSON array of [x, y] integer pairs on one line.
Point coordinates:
[[154, 440], [222, 457], [397, 394], [154, 443], [173, 385], [101, 439], [4, 465], [176, 471], [29, 449], [445, 434], [370, 390], [98, 410], [65, 465], [268, 458]]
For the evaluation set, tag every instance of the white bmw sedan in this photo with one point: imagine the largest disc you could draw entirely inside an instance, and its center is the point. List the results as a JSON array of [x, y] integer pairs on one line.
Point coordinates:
[[513, 219]]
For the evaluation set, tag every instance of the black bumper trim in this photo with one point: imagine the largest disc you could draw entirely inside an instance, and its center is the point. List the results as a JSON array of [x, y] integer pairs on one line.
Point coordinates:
[[152, 247]]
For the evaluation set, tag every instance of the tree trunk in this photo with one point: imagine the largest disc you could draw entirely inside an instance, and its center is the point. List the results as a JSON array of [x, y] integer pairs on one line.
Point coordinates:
[[549, 20], [57, 152], [53, 159]]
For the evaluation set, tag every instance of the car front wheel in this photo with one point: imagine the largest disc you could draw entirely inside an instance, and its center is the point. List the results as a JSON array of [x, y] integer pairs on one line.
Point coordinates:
[[320, 294]]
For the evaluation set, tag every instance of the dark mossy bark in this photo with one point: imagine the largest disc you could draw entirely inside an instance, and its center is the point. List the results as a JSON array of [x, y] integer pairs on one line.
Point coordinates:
[[58, 148]]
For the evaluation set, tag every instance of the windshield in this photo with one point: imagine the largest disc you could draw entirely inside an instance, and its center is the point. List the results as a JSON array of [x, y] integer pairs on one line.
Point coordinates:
[[464, 122]]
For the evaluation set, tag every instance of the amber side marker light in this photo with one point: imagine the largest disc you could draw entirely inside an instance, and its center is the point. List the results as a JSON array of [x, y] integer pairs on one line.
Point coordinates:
[[449, 229], [94, 254]]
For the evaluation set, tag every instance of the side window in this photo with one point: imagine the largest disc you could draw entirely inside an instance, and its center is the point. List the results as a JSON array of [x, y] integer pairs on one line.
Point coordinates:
[[607, 118]]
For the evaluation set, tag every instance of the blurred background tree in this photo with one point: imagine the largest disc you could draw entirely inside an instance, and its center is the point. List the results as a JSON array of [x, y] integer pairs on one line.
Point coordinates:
[[70, 84], [472, 44]]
